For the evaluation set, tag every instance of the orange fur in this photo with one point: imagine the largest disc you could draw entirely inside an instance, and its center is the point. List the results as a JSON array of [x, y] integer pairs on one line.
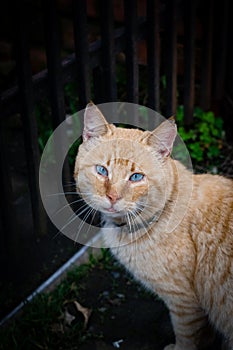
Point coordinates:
[[191, 266]]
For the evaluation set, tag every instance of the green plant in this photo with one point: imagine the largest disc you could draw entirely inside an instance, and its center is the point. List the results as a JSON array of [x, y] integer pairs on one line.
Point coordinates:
[[204, 139]]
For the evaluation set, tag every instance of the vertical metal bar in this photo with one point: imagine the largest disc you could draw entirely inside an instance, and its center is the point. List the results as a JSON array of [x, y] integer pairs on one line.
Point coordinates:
[[81, 51], [207, 49], [28, 115], [228, 100], [108, 50], [229, 77], [220, 52], [53, 51], [130, 8], [98, 85], [56, 91], [153, 54], [9, 236], [189, 59], [171, 57]]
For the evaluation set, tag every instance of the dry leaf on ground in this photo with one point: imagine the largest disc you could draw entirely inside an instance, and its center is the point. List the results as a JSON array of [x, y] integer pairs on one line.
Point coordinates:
[[68, 317], [85, 311]]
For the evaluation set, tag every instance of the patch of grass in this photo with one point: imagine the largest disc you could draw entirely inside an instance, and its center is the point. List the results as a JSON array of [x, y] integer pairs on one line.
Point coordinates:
[[45, 322], [41, 325]]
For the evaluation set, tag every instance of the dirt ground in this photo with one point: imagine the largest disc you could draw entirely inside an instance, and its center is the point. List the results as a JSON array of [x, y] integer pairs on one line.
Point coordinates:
[[116, 313], [124, 315]]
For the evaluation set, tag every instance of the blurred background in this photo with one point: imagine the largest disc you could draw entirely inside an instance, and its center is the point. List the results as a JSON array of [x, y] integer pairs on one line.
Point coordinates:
[[174, 56]]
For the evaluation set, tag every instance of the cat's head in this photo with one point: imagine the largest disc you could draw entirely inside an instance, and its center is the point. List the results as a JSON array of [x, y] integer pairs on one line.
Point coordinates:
[[121, 171]]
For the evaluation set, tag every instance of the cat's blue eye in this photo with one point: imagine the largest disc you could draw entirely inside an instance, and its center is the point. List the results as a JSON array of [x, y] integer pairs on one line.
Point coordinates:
[[136, 177], [101, 170]]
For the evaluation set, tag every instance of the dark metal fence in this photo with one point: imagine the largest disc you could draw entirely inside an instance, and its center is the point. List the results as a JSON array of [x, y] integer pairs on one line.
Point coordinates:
[[188, 43]]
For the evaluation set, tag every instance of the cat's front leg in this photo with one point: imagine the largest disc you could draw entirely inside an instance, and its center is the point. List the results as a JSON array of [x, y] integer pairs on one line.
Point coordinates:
[[170, 347], [176, 347], [191, 329]]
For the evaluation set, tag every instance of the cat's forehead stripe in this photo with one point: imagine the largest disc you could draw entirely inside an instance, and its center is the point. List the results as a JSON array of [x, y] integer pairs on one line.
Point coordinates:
[[123, 162], [133, 167]]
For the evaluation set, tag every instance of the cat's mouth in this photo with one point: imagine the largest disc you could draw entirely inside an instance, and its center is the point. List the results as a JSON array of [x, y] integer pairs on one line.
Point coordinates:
[[113, 212]]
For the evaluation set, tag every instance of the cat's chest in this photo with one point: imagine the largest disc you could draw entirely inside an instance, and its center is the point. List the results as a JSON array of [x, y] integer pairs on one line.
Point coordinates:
[[155, 263]]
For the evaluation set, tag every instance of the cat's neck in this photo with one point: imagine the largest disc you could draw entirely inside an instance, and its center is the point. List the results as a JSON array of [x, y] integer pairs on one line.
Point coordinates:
[[112, 222]]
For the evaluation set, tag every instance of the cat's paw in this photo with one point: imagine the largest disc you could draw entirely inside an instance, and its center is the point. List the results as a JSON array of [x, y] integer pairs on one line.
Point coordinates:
[[170, 347]]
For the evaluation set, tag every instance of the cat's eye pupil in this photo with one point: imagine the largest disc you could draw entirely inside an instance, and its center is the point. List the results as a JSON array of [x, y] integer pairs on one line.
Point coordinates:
[[101, 170], [136, 177]]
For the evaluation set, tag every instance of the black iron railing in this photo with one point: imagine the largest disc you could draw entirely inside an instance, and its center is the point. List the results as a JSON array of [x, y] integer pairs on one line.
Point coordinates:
[[187, 42]]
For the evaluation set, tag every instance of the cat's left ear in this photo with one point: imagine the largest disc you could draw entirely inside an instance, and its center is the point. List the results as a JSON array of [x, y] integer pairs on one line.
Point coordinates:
[[94, 122], [163, 137]]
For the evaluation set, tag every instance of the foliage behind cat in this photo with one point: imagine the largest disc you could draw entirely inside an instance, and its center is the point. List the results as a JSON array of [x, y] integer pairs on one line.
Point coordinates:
[[129, 176]]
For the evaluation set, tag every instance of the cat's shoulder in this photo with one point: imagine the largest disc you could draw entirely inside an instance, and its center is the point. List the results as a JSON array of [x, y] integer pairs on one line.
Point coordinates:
[[213, 185]]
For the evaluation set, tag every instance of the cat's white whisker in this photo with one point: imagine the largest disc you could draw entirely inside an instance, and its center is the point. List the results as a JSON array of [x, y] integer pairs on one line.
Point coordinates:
[[90, 211], [135, 237], [81, 225], [144, 205], [62, 194], [70, 220], [76, 215], [84, 193], [143, 222], [130, 226], [67, 205], [71, 184]]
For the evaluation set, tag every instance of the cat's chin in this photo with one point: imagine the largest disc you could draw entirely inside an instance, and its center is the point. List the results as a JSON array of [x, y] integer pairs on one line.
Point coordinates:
[[112, 213]]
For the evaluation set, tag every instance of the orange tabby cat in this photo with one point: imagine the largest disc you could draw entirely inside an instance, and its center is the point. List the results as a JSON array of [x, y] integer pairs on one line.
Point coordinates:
[[129, 176]]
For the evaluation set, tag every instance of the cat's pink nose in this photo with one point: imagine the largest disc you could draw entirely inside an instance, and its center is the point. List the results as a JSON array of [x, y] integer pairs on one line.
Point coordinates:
[[113, 197]]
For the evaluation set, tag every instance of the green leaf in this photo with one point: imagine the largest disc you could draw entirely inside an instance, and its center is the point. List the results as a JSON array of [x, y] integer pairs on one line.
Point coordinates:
[[209, 117], [180, 114], [196, 151]]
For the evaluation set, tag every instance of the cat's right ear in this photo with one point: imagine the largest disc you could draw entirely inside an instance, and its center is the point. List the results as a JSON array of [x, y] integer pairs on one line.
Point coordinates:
[[163, 137], [94, 122]]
